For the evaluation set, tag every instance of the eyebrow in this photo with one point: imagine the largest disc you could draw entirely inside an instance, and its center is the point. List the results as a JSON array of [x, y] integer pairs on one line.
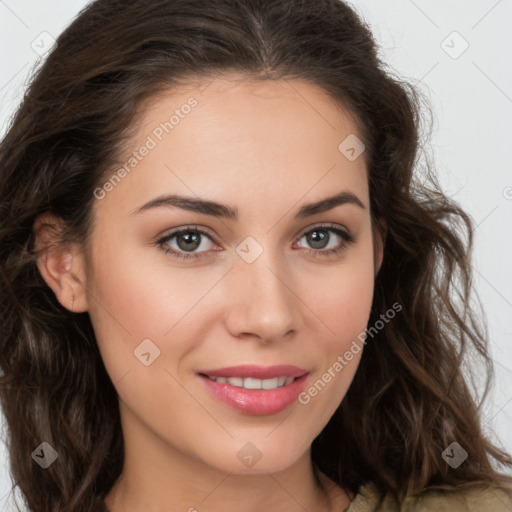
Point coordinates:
[[221, 210]]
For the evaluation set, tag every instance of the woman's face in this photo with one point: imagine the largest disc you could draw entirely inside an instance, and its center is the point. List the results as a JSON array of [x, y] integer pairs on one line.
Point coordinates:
[[263, 287]]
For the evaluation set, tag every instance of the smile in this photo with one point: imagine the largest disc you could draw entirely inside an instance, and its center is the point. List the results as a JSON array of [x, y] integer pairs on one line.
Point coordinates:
[[255, 390], [253, 383]]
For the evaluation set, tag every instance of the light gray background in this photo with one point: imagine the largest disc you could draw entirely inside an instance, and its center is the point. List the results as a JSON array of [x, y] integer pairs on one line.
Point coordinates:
[[472, 100]]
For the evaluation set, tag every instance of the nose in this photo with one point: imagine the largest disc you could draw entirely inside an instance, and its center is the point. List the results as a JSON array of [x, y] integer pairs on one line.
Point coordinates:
[[263, 304]]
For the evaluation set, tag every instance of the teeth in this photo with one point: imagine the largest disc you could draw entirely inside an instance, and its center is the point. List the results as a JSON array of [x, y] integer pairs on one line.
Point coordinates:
[[270, 383], [236, 381], [250, 383]]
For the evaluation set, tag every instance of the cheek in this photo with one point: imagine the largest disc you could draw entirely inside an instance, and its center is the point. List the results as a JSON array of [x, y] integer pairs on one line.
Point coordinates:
[[344, 308], [135, 297], [344, 295]]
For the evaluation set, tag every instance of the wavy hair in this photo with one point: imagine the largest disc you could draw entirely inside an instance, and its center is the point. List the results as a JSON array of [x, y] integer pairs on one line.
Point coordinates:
[[411, 395]]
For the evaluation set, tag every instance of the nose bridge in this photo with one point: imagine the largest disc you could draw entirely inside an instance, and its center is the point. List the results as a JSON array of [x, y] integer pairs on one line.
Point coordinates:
[[264, 304]]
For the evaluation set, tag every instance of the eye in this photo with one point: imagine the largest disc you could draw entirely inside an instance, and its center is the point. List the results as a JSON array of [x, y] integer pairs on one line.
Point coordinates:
[[323, 243], [184, 243], [187, 240]]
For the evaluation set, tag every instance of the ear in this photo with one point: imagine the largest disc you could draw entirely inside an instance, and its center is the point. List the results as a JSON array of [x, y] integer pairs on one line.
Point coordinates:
[[379, 238], [61, 265]]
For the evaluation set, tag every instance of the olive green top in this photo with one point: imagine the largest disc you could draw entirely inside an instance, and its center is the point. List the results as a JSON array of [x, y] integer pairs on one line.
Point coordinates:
[[470, 498]]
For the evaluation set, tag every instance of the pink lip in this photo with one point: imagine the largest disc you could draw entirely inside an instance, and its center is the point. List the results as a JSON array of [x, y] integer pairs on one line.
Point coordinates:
[[257, 402], [257, 372]]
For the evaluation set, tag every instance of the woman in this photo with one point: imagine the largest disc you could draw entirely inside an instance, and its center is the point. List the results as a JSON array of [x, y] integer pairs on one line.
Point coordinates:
[[222, 285]]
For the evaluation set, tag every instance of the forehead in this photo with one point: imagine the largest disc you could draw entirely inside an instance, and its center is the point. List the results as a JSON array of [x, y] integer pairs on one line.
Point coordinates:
[[272, 137], [236, 101]]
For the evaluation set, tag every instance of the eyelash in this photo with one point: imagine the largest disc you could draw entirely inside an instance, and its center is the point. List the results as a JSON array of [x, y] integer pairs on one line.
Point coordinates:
[[347, 238]]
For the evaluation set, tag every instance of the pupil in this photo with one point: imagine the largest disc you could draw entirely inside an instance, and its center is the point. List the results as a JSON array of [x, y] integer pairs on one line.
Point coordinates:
[[317, 238], [189, 238]]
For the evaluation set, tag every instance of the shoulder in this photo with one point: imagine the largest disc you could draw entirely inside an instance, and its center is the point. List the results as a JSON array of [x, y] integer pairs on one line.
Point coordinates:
[[467, 498]]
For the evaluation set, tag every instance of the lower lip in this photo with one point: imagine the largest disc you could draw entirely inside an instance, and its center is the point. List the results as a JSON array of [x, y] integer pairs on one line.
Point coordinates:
[[258, 402]]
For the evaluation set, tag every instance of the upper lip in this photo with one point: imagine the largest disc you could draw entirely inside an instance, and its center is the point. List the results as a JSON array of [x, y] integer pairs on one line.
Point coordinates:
[[257, 372]]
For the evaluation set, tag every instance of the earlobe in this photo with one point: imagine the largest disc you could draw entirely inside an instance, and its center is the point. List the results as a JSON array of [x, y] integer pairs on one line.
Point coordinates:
[[60, 265]]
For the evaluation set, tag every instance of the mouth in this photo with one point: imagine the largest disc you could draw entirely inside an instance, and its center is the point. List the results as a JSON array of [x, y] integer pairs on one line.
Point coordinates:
[[255, 390], [253, 383]]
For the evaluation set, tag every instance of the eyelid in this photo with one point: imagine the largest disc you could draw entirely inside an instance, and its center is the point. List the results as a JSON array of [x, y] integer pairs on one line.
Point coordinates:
[[320, 225], [189, 227]]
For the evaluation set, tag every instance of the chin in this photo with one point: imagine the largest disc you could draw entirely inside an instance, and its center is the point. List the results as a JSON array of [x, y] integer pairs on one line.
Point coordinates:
[[249, 459]]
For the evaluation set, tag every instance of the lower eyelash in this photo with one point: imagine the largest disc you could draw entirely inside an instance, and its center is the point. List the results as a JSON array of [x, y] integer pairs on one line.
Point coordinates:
[[348, 239], [180, 255]]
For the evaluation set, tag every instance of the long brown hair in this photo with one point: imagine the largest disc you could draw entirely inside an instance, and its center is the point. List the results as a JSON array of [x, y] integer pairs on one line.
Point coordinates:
[[410, 398]]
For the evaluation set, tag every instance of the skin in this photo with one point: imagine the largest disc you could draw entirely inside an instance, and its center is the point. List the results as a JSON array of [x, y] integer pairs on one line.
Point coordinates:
[[266, 148]]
